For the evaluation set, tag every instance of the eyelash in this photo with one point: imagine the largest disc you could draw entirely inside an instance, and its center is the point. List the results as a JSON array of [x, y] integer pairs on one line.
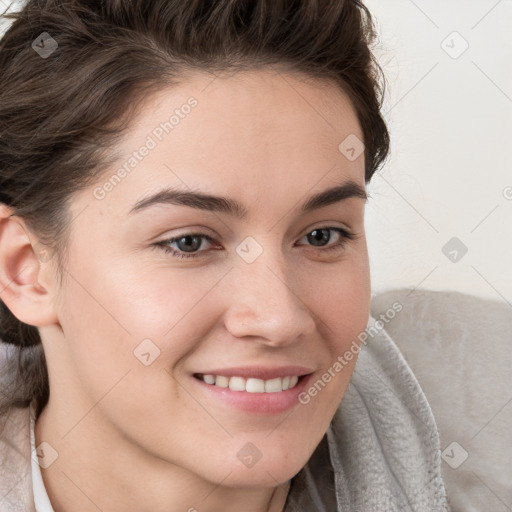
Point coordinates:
[[346, 236]]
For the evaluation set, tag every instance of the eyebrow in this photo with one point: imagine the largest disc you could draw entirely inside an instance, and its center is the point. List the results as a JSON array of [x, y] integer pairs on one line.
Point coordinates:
[[234, 208]]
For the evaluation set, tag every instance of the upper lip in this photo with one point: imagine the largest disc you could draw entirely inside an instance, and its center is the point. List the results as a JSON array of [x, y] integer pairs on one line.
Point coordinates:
[[259, 372]]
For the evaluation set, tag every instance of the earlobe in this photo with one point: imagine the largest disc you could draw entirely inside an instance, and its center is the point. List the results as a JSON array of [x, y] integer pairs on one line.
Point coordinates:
[[22, 273]]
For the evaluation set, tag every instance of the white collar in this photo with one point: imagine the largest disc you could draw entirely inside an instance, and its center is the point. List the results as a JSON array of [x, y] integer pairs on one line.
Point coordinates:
[[41, 500]]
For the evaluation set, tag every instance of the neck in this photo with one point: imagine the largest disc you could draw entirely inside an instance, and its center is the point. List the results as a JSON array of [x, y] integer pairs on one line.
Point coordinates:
[[95, 470]]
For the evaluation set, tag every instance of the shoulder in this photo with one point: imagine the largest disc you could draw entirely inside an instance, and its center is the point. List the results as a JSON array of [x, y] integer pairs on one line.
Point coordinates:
[[15, 461]]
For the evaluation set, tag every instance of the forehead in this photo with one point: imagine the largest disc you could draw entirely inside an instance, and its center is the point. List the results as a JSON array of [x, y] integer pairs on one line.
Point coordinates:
[[263, 102], [238, 134]]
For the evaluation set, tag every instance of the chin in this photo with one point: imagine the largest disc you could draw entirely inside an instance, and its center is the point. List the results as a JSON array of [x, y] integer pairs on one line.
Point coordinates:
[[274, 467], [262, 476]]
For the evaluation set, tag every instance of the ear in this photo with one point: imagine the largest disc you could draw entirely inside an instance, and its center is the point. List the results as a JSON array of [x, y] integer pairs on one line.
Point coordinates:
[[26, 285]]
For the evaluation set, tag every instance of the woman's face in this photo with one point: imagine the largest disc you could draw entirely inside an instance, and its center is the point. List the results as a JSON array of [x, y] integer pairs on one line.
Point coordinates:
[[263, 290]]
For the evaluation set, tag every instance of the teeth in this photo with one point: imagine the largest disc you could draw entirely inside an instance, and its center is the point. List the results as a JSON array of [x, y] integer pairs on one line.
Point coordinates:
[[255, 386], [209, 379], [236, 383], [251, 385], [274, 385], [222, 382]]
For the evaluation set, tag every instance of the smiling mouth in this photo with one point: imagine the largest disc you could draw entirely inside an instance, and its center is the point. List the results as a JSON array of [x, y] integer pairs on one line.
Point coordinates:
[[250, 385]]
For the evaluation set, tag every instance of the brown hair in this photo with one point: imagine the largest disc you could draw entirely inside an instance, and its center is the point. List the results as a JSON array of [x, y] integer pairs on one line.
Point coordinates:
[[62, 113]]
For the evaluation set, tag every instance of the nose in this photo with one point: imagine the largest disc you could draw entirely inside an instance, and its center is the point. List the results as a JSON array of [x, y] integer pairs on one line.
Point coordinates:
[[264, 304]]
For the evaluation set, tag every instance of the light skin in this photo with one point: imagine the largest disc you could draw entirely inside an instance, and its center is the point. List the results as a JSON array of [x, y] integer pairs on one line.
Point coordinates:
[[146, 438]]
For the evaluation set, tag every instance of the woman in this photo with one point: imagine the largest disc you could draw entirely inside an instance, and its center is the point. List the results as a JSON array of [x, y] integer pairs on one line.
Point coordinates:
[[183, 264]]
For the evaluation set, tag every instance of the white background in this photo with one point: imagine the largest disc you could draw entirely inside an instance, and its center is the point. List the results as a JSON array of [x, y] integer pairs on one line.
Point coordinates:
[[450, 121]]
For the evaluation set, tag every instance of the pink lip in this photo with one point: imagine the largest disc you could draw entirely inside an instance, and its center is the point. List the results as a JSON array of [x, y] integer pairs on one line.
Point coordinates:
[[262, 404], [259, 372]]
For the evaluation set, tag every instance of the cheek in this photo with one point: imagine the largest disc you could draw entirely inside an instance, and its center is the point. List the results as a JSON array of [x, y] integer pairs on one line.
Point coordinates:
[[98, 341], [340, 300], [138, 301], [133, 318], [340, 296]]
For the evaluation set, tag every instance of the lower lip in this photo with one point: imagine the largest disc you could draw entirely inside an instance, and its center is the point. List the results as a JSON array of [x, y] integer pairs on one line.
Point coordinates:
[[256, 403]]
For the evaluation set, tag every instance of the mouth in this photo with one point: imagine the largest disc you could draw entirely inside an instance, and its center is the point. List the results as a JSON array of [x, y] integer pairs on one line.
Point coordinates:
[[251, 384], [255, 390]]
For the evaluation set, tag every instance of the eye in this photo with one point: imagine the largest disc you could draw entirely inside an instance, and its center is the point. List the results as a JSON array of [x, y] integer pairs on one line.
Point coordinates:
[[320, 237], [187, 245]]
